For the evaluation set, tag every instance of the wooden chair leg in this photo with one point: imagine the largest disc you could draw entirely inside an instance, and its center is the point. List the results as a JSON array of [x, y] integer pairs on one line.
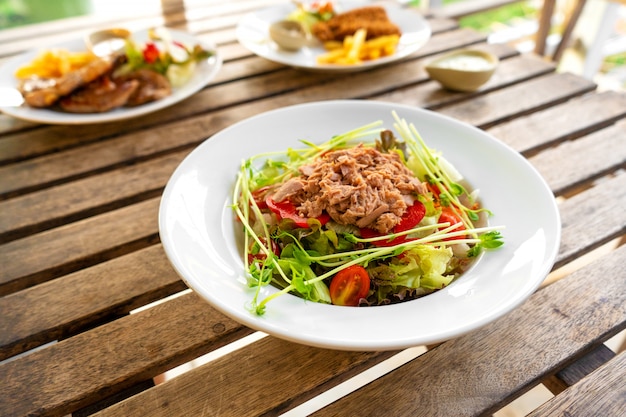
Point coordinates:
[[569, 28], [545, 22]]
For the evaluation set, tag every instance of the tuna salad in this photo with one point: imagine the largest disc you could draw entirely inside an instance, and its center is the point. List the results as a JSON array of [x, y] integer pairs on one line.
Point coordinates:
[[364, 219]]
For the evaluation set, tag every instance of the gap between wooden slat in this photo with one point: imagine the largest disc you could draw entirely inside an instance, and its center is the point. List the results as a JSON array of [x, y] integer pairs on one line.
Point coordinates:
[[582, 261], [356, 382]]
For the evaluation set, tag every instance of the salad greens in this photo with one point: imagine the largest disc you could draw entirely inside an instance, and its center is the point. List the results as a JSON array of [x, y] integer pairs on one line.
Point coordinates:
[[174, 59], [304, 258], [308, 14]]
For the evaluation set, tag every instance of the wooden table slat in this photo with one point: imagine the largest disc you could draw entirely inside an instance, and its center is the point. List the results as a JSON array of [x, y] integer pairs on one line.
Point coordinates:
[[578, 159], [538, 93], [75, 374], [52, 253], [607, 222], [77, 302], [591, 395], [523, 133], [121, 187], [576, 371]]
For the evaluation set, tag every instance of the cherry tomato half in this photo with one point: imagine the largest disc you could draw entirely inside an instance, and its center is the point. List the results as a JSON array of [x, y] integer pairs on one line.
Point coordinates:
[[150, 53], [260, 256], [260, 196], [411, 218], [349, 285], [449, 216]]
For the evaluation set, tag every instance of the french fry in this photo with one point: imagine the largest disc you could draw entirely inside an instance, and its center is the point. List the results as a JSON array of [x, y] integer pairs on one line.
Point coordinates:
[[333, 45], [357, 44], [54, 63], [356, 49]]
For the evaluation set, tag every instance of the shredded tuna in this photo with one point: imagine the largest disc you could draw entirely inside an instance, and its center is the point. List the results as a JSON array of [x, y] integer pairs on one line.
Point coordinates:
[[358, 186]]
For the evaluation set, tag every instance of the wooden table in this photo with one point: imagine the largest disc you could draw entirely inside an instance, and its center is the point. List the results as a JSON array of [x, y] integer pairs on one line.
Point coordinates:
[[80, 253]]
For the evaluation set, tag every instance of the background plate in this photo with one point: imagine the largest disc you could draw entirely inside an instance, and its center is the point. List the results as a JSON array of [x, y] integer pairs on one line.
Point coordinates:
[[205, 71], [253, 33]]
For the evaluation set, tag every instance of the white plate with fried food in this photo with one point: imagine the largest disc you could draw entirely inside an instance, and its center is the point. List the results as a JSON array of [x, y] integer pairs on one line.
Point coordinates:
[[413, 31], [12, 100]]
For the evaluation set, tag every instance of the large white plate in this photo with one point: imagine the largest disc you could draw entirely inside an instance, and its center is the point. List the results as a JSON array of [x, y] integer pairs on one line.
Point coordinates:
[[197, 230], [253, 33], [11, 103]]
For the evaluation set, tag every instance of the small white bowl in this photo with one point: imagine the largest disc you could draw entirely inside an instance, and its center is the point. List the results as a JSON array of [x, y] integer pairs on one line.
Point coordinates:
[[463, 70], [288, 35], [107, 42]]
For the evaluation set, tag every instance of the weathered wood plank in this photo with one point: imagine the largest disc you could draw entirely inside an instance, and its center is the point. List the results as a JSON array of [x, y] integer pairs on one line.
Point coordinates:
[[578, 160], [76, 302], [303, 373], [597, 209], [47, 255], [551, 89], [573, 373], [478, 373], [48, 208], [522, 133], [432, 95], [89, 367], [590, 397]]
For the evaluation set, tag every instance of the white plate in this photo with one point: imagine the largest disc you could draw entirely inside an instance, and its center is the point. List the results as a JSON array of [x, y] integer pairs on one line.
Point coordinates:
[[197, 230], [253, 33], [11, 101]]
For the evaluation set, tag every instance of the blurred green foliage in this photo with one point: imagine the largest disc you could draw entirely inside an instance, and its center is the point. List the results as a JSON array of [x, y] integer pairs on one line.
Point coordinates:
[[15, 13]]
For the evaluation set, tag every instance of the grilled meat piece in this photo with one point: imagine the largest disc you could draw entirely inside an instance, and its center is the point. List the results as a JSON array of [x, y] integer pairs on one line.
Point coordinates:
[[44, 93], [372, 18], [152, 86], [99, 96]]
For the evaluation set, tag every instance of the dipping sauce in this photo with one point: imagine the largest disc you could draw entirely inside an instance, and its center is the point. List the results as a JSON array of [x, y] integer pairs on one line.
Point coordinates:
[[288, 35], [108, 46], [465, 63], [107, 42]]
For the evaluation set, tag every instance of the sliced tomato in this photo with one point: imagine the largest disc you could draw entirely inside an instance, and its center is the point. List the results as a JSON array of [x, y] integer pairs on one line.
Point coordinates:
[[433, 188], [287, 210], [411, 218], [449, 216], [259, 197], [150, 53], [349, 285], [261, 256], [367, 233]]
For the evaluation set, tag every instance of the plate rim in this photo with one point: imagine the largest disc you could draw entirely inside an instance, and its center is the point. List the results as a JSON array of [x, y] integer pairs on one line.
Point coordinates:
[[262, 324]]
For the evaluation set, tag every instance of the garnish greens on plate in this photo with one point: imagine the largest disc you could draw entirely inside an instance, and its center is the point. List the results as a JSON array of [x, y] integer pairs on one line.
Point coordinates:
[[358, 223]]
